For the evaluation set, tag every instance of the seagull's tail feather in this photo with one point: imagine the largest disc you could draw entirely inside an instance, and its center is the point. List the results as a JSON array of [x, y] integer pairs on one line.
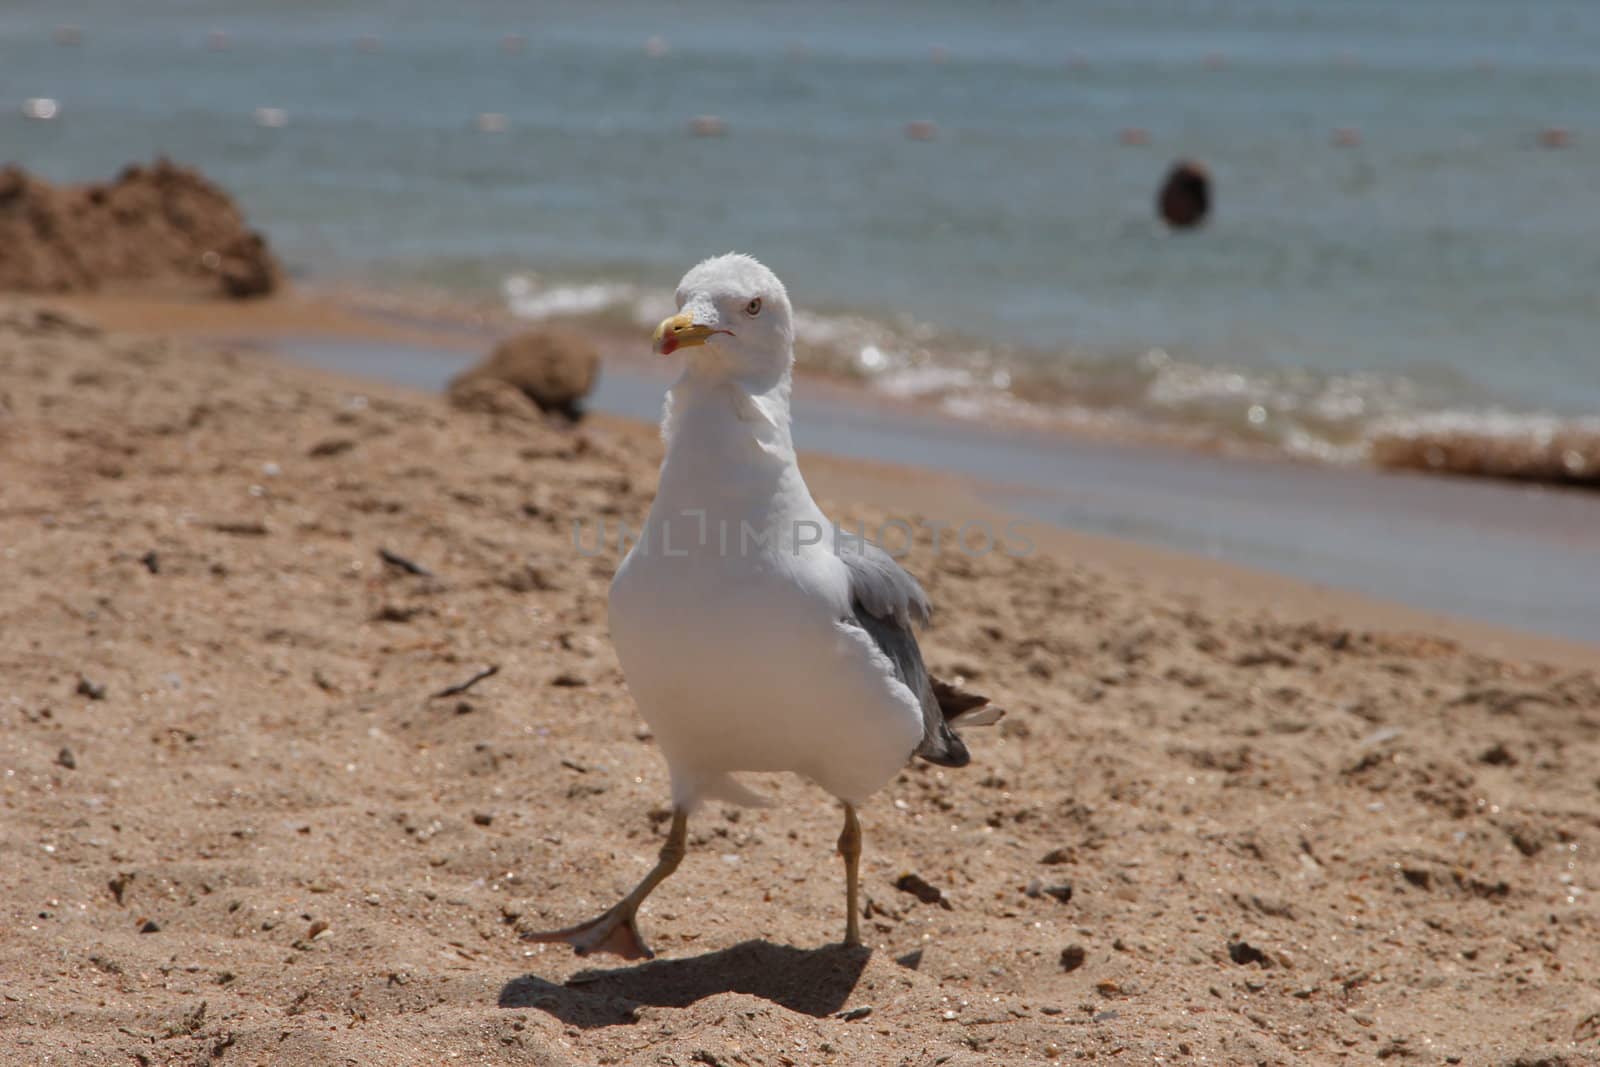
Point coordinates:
[[728, 788], [956, 708], [987, 715], [962, 708]]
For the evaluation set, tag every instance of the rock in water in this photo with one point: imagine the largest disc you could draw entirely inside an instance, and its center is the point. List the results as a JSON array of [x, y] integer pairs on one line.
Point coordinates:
[[1185, 198], [553, 368], [161, 228]]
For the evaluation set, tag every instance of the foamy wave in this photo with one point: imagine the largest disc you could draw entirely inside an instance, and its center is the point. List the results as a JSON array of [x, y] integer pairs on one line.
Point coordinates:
[[1303, 412], [527, 297], [1434, 422], [1495, 444]]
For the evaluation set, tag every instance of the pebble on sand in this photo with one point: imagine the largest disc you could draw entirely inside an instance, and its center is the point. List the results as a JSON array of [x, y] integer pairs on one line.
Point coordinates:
[[921, 130], [1244, 954], [1185, 197], [923, 890]]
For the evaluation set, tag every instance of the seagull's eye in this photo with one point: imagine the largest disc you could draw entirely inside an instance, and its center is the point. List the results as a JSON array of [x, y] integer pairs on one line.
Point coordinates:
[[753, 308]]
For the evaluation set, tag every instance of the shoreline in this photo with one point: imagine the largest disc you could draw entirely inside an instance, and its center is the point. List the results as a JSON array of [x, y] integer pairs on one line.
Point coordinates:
[[1558, 452], [828, 407]]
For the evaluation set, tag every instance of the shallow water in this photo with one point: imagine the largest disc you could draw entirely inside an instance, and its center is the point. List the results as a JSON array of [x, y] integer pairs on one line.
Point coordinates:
[[1445, 264]]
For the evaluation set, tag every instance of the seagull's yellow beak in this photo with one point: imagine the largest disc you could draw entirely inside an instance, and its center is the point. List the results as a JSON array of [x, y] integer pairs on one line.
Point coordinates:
[[681, 331]]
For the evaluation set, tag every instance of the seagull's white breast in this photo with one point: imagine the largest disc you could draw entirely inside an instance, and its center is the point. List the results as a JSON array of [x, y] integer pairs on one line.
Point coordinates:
[[729, 627]]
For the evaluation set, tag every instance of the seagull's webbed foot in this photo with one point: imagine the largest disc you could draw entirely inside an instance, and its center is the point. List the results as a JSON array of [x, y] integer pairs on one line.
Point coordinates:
[[616, 931]]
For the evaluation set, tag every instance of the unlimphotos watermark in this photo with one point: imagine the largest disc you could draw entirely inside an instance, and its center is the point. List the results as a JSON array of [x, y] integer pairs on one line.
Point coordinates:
[[692, 531]]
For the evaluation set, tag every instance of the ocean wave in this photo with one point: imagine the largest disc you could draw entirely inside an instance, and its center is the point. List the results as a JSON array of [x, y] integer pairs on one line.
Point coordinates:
[[1426, 420], [527, 297], [1497, 444]]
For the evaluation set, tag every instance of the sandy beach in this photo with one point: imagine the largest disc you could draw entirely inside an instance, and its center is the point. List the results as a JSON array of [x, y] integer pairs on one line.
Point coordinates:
[[1229, 818]]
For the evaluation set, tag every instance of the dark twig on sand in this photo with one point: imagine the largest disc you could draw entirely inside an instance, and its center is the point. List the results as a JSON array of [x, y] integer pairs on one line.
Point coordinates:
[[395, 559], [461, 687]]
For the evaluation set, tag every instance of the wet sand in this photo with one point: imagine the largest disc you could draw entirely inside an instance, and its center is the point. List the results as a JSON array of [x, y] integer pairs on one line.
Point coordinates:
[[1225, 822]]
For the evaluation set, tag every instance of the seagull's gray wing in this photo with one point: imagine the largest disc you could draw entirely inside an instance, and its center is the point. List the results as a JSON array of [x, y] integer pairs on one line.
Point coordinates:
[[886, 601]]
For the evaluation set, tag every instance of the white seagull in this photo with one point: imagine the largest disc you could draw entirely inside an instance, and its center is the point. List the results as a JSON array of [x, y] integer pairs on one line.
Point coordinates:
[[756, 636]]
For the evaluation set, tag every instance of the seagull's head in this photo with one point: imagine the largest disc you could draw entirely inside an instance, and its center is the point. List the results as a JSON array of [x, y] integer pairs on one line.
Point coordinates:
[[733, 320]]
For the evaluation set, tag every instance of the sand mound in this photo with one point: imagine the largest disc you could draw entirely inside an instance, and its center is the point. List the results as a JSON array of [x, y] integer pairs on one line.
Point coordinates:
[[163, 228], [1561, 453], [552, 368]]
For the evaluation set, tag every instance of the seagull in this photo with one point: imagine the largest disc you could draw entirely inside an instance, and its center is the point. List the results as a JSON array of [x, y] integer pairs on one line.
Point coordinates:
[[754, 634]]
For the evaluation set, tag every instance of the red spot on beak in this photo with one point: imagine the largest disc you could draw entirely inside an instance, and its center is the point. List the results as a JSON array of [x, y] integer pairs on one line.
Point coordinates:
[[669, 345]]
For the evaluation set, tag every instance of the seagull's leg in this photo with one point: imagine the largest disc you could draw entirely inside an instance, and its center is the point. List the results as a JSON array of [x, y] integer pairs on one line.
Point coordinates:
[[850, 849], [615, 931]]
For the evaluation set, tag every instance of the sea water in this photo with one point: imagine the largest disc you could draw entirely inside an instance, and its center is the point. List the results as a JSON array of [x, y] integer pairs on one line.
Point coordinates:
[[1404, 222]]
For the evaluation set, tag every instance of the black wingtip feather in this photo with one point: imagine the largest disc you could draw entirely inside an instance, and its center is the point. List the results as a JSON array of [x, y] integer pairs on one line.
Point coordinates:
[[945, 746], [947, 751]]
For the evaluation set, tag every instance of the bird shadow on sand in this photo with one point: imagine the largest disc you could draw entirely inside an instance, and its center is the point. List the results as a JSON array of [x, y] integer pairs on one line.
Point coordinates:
[[813, 982]]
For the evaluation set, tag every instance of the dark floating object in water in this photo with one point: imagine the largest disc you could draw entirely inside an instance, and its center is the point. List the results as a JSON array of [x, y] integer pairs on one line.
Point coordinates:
[[1555, 137], [1185, 198], [1134, 136], [921, 130], [1346, 137]]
